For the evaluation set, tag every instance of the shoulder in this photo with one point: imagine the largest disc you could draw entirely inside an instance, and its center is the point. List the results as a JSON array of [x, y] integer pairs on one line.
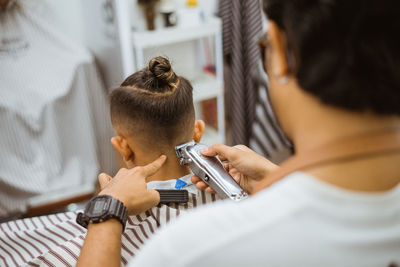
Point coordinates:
[[220, 223]]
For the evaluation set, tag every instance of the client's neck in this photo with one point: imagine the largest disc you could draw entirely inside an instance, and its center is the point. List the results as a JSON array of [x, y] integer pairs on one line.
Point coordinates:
[[170, 170]]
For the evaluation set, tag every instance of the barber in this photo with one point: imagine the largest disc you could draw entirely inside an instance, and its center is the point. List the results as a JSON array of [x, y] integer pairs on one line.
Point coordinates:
[[334, 69]]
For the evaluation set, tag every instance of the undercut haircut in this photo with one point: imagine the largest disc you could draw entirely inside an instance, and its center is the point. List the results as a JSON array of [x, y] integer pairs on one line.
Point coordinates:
[[347, 51], [155, 104]]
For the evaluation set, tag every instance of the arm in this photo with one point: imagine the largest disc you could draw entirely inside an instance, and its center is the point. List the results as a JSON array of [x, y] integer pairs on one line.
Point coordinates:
[[102, 245]]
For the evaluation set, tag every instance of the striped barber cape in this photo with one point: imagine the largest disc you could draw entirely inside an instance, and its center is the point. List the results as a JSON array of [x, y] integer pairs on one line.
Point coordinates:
[[56, 240]]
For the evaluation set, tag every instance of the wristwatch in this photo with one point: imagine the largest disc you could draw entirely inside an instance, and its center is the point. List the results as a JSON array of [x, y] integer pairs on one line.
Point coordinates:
[[100, 209]]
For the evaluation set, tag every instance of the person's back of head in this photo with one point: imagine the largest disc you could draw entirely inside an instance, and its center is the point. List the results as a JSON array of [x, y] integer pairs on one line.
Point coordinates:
[[334, 74], [346, 53], [152, 112]]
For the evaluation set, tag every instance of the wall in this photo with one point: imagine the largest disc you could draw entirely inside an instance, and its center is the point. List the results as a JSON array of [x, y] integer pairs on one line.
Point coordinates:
[[85, 21]]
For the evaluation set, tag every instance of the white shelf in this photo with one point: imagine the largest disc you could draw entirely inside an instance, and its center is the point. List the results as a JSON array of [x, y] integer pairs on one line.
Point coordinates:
[[165, 36], [206, 86]]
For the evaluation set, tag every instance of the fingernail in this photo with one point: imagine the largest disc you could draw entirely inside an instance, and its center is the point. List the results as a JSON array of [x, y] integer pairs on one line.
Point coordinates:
[[204, 150]]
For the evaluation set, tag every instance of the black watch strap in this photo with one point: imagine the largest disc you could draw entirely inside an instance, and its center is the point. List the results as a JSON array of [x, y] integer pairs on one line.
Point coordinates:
[[173, 196], [112, 208], [118, 211]]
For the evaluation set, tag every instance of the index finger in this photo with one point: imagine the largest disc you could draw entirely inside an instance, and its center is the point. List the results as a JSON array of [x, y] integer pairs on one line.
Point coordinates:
[[153, 167], [227, 152]]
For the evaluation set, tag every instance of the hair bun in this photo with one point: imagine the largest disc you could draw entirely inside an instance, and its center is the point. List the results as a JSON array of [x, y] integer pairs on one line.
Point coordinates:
[[161, 68]]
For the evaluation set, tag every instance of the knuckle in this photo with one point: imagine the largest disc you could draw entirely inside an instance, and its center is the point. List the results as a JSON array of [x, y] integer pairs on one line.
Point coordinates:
[[217, 146], [136, 169], [139, 171], [121, 172]]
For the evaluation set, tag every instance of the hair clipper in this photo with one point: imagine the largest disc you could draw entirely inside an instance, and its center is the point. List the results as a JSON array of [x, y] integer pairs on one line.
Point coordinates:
[[210, 170]]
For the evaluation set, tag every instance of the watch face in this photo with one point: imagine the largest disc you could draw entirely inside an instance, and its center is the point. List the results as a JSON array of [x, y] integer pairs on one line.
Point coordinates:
[[98, 207]]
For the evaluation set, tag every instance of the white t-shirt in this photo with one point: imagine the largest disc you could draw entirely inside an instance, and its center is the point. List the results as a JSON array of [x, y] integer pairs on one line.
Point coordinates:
[[299, 221]]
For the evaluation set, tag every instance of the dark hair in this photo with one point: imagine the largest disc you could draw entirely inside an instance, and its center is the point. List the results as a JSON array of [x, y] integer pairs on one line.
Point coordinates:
[[156, 102], [347, 51]]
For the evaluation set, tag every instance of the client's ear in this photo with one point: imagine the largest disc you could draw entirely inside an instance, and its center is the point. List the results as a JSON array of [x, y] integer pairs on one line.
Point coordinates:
[[122, 146], [199, 127]]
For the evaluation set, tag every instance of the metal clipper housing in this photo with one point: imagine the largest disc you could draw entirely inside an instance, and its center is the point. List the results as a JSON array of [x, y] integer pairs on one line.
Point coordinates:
[[210, 170]]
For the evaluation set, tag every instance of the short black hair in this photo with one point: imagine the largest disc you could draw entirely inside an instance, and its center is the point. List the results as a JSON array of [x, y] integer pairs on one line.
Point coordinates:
[[154, 103], [347, 51]]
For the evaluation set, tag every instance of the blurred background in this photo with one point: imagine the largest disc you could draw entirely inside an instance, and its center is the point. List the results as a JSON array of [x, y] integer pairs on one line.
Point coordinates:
[[59, 59]]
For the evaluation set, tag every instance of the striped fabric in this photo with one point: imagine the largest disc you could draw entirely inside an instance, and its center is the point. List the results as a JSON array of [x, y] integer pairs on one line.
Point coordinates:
[[56, 240], [267, 138], [251, 117], [241, 27], [55, 126]]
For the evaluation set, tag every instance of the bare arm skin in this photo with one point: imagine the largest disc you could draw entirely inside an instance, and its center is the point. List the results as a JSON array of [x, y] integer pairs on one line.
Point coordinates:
[[102, 245]]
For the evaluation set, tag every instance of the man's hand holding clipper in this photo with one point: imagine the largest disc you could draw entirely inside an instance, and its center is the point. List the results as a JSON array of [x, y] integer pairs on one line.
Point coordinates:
[[246, 166]]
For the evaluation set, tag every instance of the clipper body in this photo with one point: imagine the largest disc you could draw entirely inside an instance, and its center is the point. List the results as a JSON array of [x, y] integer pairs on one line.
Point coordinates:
[[210, 170]]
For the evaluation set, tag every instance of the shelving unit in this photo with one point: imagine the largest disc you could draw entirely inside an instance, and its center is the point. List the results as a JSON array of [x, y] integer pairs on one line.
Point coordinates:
[[135, 45], [202, 85], [144, 39]]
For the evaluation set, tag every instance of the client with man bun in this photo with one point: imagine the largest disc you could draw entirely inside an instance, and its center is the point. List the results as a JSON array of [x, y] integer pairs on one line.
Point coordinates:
[[152, 112]]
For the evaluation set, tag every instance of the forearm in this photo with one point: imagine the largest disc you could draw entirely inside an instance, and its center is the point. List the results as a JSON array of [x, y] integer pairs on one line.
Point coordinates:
[[102, 245]]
